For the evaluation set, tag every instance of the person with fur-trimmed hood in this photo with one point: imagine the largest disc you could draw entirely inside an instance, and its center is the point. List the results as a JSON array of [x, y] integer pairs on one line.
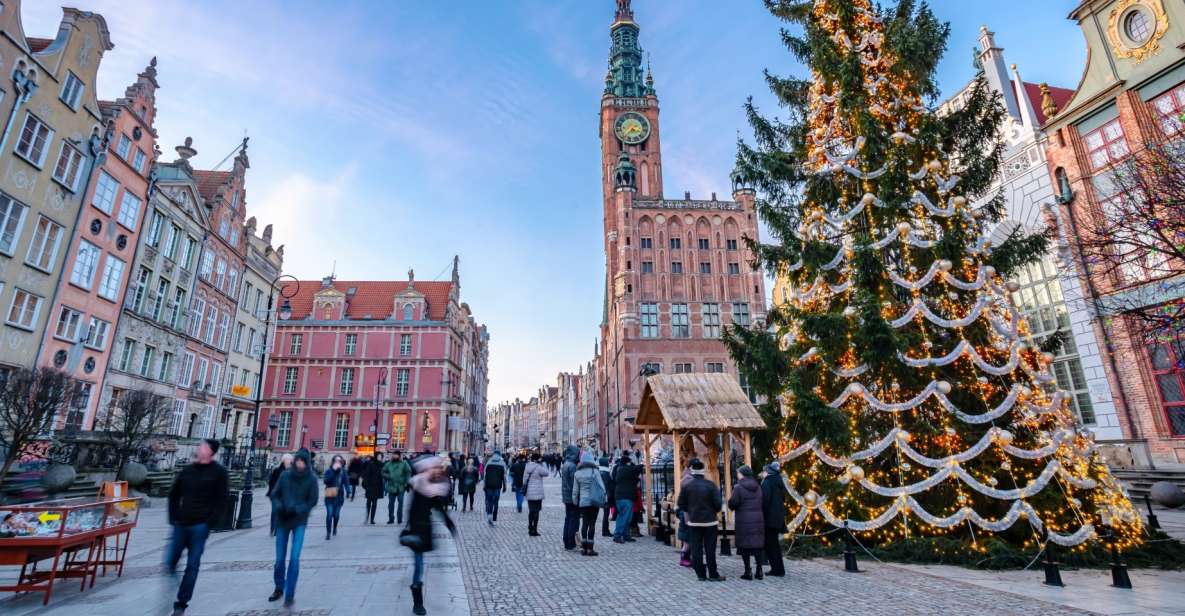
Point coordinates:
[[430, 492]]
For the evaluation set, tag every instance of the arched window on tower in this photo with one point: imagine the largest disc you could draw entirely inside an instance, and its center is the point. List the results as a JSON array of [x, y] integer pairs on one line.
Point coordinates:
[[645, 178], [408, 312]]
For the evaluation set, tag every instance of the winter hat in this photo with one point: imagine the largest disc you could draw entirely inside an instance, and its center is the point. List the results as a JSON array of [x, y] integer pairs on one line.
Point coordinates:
[[773, 468], [423, 463], [586, 458], [697, 467], [745, 471]]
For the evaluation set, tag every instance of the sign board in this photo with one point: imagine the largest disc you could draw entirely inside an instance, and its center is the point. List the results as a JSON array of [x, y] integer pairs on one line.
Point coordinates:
[[458, 424], [383, 440], [385, 435], [241, 391], [318, 444]]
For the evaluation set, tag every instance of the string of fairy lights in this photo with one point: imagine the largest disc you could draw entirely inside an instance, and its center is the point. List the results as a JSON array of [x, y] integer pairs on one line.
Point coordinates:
[[1002, 453]]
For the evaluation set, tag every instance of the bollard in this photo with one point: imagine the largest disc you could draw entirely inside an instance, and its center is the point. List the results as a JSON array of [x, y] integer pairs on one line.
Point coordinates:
[[849, 554], [1119, 577], [725, 542], [1053, 576], [1153, 523]]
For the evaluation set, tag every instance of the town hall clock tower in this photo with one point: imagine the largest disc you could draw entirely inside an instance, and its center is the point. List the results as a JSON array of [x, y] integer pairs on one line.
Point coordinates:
[[676, 270]]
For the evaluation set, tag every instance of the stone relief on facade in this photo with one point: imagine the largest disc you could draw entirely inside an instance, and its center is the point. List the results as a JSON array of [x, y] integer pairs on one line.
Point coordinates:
[[84, 50], [679, 204]]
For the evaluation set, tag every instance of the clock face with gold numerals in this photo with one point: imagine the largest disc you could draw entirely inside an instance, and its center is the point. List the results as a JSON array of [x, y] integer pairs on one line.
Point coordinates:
[[632, 128]]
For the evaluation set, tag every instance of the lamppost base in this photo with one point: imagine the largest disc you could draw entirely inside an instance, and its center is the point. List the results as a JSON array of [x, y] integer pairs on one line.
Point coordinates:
[[245, 501]]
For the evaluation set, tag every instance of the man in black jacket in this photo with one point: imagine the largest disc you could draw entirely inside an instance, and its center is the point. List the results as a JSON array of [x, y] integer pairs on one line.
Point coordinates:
[[196, 500], [625, 488], [494, 482], [700, 503], [607, 479]]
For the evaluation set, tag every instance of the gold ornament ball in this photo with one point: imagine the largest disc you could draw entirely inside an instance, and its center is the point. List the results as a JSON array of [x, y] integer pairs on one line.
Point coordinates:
[[992, 481], [945, 265], [903, 228], [989, 271], [1004, 437], [935, 166], [868, 199], [1006, 465], [944, 387], [977, 214], [849, 311], [959, 201], [811, 498], [856, 473], [1013, 286], [906, 466]]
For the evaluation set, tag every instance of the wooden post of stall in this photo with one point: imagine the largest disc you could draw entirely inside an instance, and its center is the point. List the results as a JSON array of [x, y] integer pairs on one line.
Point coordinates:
[[727, 438], [678, 463], [748, 452], [649, 489]]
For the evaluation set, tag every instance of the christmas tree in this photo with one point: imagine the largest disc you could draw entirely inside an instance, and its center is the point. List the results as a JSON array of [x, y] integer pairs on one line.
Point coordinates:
[[906, 396]]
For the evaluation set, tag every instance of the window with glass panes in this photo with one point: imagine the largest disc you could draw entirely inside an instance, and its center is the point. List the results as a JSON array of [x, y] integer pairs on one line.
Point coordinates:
[[404, 345], [680, 326], [683, 368], [295, 343], [647, 242], [290, 380], [24, 309], [399, 431], [129, 350], [1169, 107], [649, 320], [68, 166], [96, 334], [166, 367], [341, 431], [43, 250], [346, 387], [146, 360], [1040, 301], [178, 417], [1168, 369], [85, 262], [351, 343], [105, 189], [284, 434], [129, 210], [714, 367], [1106, 145], [11, 216], [711, 319], [112, 278], [402, 381], [141, 290], [34, 137], [68, 322], [162, 296], [740, 314]]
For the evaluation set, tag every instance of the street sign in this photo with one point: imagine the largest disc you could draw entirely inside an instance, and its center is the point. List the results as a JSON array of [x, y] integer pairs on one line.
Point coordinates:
[[372, 427], [384, 436], [382, 441]]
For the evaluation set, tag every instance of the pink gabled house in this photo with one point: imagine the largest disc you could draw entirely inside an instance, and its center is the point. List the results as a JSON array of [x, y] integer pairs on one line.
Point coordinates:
[[360, 359], [86, 307]]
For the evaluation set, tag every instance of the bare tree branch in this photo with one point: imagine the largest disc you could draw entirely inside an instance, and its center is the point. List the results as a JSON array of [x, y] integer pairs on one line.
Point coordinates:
[[30, 401]]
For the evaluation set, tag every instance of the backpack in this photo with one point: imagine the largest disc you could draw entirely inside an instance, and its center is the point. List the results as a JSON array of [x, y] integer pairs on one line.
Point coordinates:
[[596, 491]]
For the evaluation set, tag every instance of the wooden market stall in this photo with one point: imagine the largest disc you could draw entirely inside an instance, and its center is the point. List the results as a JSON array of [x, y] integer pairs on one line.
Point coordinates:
[[696, 407]]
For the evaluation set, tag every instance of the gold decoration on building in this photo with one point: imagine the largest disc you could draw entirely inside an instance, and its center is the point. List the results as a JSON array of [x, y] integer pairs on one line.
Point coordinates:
[[1122, 44], [1048, 106]]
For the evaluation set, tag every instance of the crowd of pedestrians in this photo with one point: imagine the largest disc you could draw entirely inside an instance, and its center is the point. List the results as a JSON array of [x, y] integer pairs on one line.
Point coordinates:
[[607, 487]]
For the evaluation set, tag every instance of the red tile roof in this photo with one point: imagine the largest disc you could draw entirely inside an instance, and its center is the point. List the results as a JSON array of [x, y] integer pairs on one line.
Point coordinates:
[[210, 181], [37, 44], [1061, 96], [371, 297]]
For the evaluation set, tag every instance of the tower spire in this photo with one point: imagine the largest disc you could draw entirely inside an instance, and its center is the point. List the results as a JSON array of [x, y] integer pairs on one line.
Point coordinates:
[[626, 76], [624, 12]]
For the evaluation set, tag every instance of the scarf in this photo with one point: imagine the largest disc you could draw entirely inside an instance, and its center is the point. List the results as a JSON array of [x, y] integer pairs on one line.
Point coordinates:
[[422, 485]]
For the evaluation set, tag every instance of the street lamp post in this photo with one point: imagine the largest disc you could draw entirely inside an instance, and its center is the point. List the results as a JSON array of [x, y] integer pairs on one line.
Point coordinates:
[[379, 387], [247, 498], [273, 424], [303, 430]]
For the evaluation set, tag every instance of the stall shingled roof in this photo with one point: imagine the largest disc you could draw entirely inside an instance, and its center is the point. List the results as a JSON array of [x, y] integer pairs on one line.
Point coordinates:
[[694, 402]]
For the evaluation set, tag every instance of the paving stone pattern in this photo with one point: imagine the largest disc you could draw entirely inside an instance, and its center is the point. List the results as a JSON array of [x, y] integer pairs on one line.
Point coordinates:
[[507, 572]]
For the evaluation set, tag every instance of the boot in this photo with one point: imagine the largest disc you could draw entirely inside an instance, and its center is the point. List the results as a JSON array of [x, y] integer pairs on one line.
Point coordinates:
[[327, 534], [335, 527], [759, 575], [748, 574], [417, 599]]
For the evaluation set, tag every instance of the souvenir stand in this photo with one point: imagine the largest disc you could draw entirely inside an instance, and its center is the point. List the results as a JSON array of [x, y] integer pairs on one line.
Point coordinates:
[[690, 408], [72, 533]]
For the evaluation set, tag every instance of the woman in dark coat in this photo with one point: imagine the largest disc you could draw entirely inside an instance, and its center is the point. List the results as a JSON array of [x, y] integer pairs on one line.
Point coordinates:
[[285, 462], [467, 483], [749, 521], [355, 471], [773, 508], [430, 492], [336, 481], [372, 483]]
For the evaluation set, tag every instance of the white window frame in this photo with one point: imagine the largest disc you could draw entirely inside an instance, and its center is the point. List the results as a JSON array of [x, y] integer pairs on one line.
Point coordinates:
[[106, 188], [404, 345], [22, 322], [129, 210], [185, 376], [12, 218], [124, 146], [402, 382], [346, 382], [86, 264], [68, 176], [29, 151], [166, 366], [710, 319], [126, 354], [72, 89], [146, 360], [96, 334], [351, 344], [42, 246], [291, 377], [138, 160], [284, 433], [341, 431], [69, 322], [112, 279]]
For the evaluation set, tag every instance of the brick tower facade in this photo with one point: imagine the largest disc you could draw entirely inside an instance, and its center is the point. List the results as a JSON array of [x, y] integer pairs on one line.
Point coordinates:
[[676, 270]]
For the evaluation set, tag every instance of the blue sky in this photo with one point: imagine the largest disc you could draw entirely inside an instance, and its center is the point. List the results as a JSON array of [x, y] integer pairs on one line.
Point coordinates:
[[395, 134]]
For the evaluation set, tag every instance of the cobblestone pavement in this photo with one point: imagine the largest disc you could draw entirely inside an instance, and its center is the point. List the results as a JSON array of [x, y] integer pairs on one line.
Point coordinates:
[[507, 572], [363, 570]]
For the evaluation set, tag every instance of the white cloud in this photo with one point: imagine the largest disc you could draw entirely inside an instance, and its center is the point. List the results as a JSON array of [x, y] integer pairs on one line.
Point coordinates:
[[303, 210]]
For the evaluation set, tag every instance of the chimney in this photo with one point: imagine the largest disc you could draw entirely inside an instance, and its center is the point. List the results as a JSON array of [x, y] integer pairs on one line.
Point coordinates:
[[687, 195]]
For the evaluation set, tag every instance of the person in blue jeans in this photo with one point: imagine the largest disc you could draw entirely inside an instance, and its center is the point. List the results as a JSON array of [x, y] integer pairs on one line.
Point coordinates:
[[430, 488], [494, 481], [336, 481], [294, 497], [196, 499], [626, 476], [517, 469]]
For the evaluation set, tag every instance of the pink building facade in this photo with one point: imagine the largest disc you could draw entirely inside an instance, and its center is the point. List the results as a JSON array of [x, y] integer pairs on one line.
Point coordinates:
[[366, 361], [80, 335]]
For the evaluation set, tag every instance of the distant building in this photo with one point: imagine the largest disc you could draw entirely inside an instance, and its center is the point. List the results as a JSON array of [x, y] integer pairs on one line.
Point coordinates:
[[677, 270], [357, 361], [1132, 93]]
